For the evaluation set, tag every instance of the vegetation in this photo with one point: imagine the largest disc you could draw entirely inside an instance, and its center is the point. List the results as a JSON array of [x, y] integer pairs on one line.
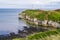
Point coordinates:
[[48, 35], [43, 35], [42, 15], [53, 15], [36, 33], [35, 14]]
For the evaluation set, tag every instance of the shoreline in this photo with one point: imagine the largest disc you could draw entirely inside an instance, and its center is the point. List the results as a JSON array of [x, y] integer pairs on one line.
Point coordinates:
[[35, 26], [36, 22]]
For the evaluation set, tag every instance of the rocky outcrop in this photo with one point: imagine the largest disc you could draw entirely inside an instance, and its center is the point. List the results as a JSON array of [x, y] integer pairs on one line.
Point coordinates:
[[54, 24], [39, 22]]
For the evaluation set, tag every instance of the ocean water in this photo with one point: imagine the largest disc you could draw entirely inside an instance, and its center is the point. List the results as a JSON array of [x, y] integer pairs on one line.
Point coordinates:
[[9, 21]]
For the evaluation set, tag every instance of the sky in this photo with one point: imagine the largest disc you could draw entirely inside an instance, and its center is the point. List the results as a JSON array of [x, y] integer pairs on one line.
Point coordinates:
[[30, 4]]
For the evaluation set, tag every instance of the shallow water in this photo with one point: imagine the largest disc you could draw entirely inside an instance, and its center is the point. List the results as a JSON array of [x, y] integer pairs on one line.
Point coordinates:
[[9, 21]]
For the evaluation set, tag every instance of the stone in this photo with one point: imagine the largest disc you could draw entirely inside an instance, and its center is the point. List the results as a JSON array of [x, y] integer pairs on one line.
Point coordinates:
[[36, 21], [55, 24], [44, 22], [50, 22], [27, 17]]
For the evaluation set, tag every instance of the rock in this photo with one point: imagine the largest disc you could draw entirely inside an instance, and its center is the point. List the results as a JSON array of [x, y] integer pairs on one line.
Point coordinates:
[[50, 22], [40, 29], [20, 17], [27, 17], [55, 24], [36, 21], [44, 23]]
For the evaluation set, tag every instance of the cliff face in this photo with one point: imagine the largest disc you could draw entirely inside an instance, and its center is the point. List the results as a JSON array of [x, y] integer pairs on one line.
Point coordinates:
[[40, 17]]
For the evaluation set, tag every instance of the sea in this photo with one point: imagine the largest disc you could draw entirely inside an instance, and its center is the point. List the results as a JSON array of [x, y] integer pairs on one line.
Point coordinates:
[[9, 21]]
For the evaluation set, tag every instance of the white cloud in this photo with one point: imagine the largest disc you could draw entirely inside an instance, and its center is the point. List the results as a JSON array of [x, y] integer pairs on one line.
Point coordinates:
[[26, 3]]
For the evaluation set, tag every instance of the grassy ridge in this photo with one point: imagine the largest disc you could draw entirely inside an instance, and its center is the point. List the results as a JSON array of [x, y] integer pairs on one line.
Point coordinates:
[[42, 15], [44, 35], [55, 16], [54, 34]]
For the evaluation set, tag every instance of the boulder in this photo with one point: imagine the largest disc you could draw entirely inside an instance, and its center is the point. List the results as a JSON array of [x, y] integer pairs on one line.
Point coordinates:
[[44, 23], [36, 21], [55, 24], [50, 23]]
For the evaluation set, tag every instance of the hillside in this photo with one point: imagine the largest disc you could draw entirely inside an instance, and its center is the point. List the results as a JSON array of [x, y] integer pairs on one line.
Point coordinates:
[[42, 17], [33, 17], [41, 14], [48, 35]]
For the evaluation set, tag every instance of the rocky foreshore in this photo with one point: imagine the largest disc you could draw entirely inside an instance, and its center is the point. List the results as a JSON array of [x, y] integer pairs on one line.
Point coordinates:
[[22, 33]]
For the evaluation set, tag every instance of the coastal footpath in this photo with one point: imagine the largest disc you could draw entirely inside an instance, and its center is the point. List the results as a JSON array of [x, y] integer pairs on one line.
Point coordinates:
[[41, 17]]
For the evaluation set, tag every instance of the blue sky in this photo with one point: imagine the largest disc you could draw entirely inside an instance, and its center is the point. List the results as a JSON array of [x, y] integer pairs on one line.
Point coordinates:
[[41, 4]]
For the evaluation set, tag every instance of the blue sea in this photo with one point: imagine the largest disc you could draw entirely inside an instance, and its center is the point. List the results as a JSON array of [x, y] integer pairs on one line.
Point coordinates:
[[9, 21]]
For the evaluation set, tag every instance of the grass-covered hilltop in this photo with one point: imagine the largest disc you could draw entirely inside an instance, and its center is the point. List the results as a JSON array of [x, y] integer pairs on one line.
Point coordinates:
[[49, 20], [42, 17], [53, 15]]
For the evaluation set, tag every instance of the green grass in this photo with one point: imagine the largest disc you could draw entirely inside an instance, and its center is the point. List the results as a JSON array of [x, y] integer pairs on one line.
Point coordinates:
[[41, 15], [48, 35], [43, 35], [19, 39], [55, 16]]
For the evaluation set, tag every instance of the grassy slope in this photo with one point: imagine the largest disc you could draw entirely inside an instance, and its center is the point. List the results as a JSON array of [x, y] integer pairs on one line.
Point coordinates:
[[19, 39], [48, 35], [45, 35], [42, 15]]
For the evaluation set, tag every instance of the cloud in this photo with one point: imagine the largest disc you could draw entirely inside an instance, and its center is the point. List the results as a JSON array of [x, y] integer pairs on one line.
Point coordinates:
[[29, 3], [41, 2]]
